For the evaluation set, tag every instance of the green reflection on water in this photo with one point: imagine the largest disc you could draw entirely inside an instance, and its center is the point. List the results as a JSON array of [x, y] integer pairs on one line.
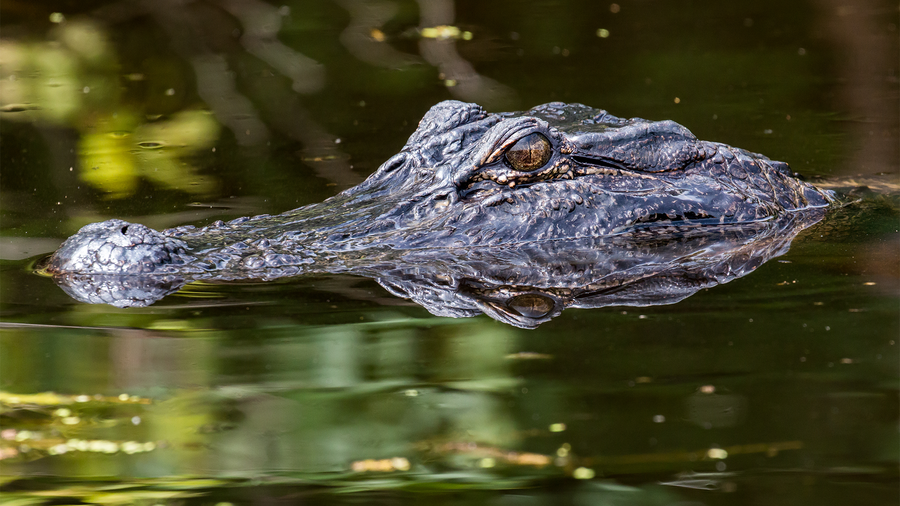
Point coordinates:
[[71, 81]]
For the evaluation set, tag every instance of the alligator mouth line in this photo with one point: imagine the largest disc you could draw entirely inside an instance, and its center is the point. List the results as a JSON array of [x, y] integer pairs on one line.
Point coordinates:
[[595, 182], [584, 167], [587, 166]]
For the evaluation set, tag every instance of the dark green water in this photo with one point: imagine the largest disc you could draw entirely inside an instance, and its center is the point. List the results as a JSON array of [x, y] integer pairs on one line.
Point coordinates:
[[778, 388]]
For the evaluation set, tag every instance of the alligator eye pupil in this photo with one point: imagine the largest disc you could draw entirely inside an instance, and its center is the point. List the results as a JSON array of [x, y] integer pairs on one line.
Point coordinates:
[[529, 153]]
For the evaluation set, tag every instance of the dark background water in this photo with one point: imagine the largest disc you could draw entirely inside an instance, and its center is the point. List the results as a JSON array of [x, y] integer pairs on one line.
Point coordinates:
[[780, 387]]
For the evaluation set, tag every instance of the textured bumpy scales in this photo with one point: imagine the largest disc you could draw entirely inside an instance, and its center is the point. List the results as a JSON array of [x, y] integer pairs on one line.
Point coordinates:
[[459, 183]]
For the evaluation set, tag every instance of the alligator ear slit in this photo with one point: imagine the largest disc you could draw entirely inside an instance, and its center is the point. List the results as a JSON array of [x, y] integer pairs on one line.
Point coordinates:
[[599, 161], [394, 163]]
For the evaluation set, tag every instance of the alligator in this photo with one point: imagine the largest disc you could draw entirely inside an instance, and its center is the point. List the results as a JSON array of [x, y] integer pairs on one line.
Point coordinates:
[[540, 198]]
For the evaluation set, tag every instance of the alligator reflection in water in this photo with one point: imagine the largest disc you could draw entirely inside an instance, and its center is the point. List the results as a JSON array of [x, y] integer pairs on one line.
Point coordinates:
[[533, 283], [516, 215], [525, 285]]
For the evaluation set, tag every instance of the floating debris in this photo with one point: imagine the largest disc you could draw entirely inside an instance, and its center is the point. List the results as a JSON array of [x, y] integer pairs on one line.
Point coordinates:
[[528, 355], [557, 427], [583, 473], [444, 32], [380, 465]]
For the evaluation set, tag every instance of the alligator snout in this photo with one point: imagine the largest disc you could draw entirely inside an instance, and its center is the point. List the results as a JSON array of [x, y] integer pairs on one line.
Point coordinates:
[[117, 247]]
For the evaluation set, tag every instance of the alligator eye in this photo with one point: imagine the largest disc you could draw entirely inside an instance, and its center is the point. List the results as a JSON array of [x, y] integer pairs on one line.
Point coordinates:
[[529, 153], [531, 305]]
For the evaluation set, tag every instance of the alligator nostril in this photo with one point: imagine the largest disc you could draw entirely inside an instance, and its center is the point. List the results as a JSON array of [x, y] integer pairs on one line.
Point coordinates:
[[124, 230]]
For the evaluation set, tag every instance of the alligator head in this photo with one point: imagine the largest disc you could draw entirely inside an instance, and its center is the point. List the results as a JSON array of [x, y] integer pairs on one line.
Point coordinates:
[[469, 179]]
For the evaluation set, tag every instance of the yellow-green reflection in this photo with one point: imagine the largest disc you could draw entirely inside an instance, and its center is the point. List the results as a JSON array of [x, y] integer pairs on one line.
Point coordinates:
[[117, 154], [72, 81]]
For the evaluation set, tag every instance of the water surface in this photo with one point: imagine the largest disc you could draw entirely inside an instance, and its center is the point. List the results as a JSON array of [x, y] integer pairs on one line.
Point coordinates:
[[779, 386]]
